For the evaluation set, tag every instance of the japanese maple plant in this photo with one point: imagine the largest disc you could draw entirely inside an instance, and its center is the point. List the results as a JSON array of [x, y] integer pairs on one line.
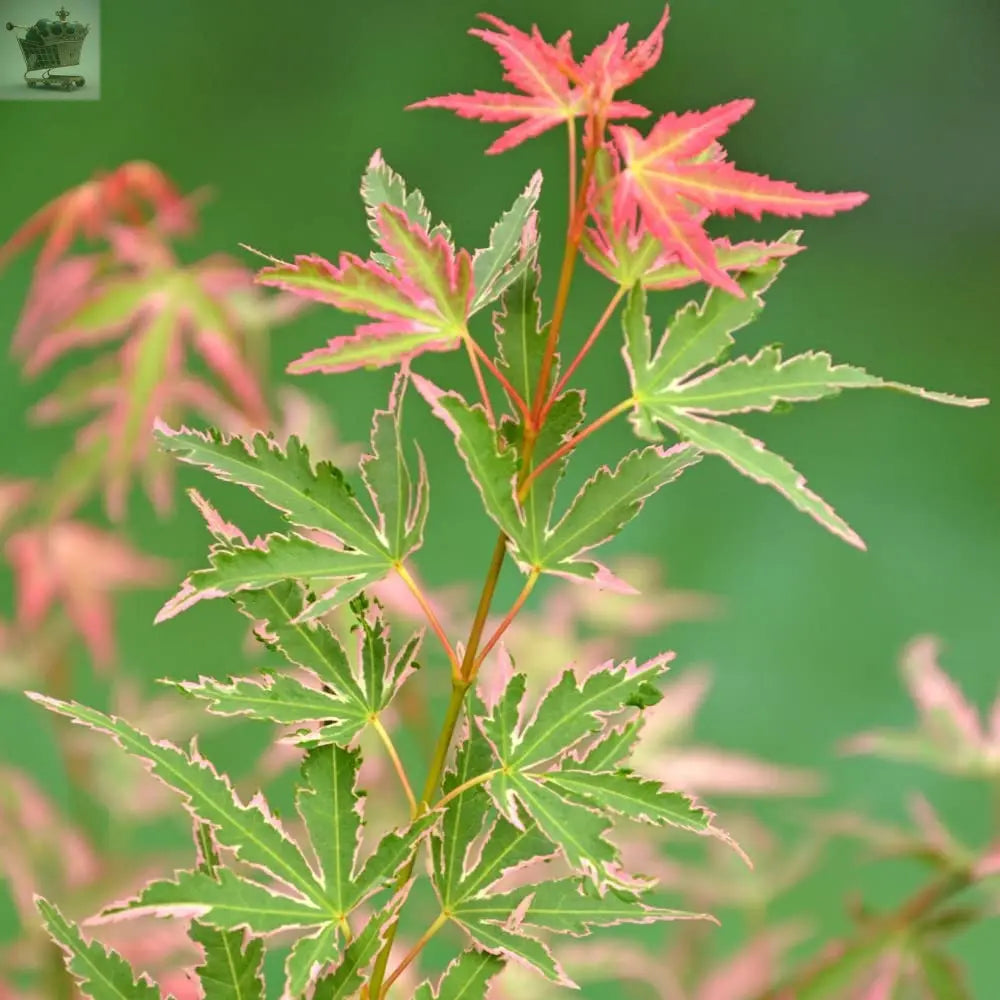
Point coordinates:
[[522, 826]]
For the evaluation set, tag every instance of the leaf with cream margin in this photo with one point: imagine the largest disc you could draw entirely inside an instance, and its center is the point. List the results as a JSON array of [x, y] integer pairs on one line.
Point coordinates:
[[669, 386], [233, 966], [347, 550], [605, 504], [534, 774], [494, 267], [569, 906], [466, 978], [310, 894], [99, 973], [344, 699], [463, 886]]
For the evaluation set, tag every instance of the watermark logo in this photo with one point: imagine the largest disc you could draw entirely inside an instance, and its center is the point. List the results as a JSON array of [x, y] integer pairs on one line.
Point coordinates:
[[50, 58]]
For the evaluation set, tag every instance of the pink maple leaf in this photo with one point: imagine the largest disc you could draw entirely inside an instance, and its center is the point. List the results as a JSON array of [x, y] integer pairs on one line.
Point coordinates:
[[622, 248], [419, 302], [679, 171], [553, 87], [612, 65], [88, 209], [77, 567]]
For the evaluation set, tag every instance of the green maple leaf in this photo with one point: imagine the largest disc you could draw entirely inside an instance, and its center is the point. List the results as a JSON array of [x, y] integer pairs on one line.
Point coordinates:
[[465, 893], [345, 697], [677, 386], [360, 550], [232, 969], [283, 888], [100, 973], [605, 504], [538, 773], [468, 976]]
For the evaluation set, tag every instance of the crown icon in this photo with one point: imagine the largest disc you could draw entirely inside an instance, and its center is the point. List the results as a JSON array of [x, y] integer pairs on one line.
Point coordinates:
[[48, 45]]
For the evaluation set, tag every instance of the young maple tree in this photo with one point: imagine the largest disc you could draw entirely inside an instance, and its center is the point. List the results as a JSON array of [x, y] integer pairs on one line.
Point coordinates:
[[518, 831]]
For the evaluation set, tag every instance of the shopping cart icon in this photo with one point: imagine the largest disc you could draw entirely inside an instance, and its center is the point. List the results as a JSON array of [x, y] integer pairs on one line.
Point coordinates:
[[48, 45]]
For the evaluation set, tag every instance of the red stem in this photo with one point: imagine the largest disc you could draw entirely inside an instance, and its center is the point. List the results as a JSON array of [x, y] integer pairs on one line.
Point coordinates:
[[508, 618], [476, 371], [514, 395], [588, 343], [572, 443]]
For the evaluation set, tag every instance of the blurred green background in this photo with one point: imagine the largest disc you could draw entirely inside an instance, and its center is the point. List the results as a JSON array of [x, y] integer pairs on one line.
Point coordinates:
[[278, 107]]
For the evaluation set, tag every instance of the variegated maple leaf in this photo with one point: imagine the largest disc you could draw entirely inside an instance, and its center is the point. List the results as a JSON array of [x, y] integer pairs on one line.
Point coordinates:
[[483, 893], [548, 770], [682, 383], [553, 87], [90, 208], [418, 288], [75, 567], [158, 311], [678, 172], [421, 304], [283, 885], [339, 548]]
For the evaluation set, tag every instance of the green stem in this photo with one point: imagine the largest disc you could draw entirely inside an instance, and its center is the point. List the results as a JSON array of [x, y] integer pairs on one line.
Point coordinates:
[[440, 757], [439, 922], [468, 668]]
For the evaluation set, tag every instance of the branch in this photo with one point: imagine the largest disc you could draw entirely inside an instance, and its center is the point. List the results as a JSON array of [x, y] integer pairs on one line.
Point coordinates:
[[908, 913], [432, 619], [569, 445]]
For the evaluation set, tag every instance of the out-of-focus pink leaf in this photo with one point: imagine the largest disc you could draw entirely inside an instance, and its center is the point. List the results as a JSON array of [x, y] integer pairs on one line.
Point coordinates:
[[750, 970], [76, 567], [41, 850], [702, 770], [129, 193], [950, 736], [158, 311], [14, 493]]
